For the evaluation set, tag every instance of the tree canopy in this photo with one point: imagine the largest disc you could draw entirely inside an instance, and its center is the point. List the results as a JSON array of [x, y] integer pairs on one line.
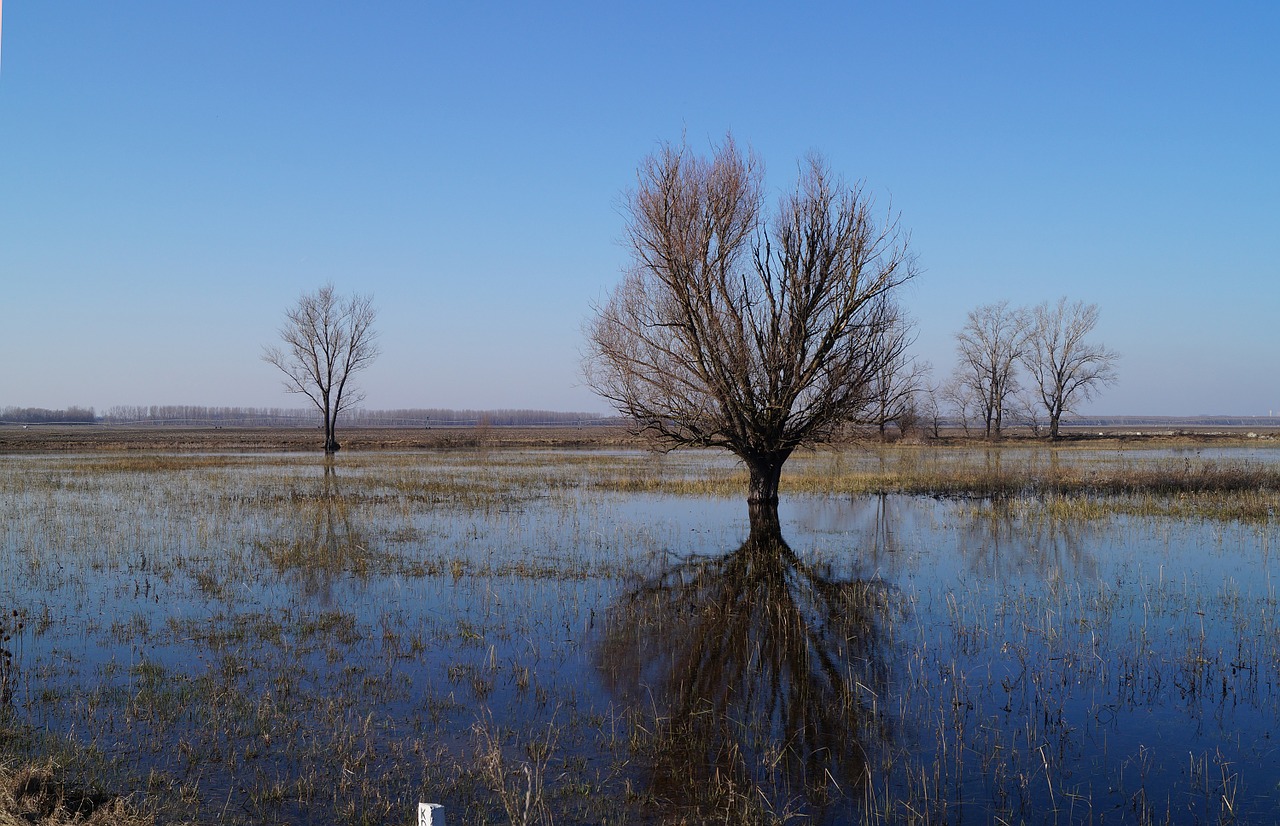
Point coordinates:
[[739, 327]]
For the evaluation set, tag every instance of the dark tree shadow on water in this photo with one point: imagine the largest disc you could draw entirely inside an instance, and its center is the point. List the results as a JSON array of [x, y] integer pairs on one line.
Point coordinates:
[[755, 680]]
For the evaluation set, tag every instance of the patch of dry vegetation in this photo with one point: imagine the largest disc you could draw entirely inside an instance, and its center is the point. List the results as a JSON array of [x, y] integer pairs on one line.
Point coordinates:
[[33, 795], [96, 438]]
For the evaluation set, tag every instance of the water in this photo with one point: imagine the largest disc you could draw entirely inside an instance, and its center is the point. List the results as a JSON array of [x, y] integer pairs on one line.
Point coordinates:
[[264, 639]]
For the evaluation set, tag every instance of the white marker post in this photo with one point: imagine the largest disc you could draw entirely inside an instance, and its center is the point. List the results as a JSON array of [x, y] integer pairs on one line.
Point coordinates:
[[430, 814]]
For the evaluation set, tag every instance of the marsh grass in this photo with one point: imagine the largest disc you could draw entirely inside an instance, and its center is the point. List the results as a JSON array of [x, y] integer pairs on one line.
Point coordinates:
[[11, 628], [248, 639], [1132, 483], [33, 795], [991, 473]]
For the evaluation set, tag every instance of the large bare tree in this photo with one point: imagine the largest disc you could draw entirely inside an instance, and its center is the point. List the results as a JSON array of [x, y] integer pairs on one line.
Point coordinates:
[[326, 340], [989, 346], [1065, 367], [732, 330]]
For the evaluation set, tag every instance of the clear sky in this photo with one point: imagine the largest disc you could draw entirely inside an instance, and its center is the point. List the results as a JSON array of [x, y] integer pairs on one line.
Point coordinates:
[[174, 174]]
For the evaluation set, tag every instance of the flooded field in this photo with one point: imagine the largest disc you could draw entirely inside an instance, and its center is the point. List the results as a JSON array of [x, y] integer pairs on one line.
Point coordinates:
[[613, 637]]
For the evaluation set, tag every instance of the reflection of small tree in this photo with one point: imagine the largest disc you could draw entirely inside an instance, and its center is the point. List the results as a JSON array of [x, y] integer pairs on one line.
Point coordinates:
[[326, 543], [998, 540], [761, 666]]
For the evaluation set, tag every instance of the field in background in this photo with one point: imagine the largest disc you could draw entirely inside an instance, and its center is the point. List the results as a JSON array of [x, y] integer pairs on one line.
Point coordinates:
[[88, 438]]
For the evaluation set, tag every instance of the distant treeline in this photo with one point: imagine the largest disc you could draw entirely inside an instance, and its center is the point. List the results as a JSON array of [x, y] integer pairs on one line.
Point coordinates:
[[463, 418], [1172, 421], [198, 414], [195, 415], [303, 417], [40, 415]]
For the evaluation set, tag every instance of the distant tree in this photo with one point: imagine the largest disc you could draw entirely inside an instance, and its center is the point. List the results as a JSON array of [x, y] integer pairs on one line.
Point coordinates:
[[930, 411], [960, 402], [327, 339], [1025, 410], [41, 415], [1064, 367], [896, 390], [733, 331], [989, 346]]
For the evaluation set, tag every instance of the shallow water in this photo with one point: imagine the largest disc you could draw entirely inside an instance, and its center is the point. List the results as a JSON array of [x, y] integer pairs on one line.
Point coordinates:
[[268, 640]]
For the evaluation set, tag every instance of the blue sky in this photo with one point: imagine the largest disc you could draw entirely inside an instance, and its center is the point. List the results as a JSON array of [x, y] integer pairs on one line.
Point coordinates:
[[174, 175]]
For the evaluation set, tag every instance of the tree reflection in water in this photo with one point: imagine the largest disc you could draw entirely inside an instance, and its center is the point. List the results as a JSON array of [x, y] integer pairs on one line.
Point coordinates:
[[322, 543], [764, 674]]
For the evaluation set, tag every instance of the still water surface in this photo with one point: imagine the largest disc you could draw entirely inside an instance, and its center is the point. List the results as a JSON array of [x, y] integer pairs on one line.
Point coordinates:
[[271, 640]]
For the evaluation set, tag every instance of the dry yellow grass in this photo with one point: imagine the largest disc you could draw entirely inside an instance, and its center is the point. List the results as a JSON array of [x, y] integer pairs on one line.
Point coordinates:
[[33, 795]]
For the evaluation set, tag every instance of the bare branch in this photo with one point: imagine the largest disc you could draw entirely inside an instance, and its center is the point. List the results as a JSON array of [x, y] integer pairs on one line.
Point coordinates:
[[326, 339], [736, 331], [989, 347], [1066, 369]]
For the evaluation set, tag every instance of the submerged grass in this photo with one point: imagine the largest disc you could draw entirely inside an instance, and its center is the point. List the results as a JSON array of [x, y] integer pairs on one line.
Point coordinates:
[[991, 473], [1088, 486], [272, 639]]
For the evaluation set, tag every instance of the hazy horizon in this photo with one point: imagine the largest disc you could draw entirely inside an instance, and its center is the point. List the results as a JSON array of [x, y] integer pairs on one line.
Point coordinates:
[[467, 414], [177, 175]]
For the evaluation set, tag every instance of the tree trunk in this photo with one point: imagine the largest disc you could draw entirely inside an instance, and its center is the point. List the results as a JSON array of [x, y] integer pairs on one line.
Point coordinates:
[[764, 521], [1053, 426], [765, 472], [330, 443]]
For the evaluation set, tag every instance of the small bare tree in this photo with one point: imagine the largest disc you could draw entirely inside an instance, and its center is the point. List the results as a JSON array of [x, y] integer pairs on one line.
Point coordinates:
[[731, 331], [1024, 409], [1065, 367], [930, 411], [327, 339], [896, 390], [961, 402], [989, 347]]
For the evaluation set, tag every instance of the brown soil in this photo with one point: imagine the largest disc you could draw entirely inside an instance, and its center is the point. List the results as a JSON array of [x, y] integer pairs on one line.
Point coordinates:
[[99, 438]]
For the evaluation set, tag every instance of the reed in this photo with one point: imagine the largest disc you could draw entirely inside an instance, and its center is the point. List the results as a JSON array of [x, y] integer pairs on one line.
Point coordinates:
[[267, 639]]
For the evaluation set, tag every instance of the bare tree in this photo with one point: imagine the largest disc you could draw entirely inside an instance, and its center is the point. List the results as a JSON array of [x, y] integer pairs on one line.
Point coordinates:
[[960, 400], [733, 332], [989, 347], [897, 388], [931, 407], [327, 339], [1065, 367], [1025, 410]]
